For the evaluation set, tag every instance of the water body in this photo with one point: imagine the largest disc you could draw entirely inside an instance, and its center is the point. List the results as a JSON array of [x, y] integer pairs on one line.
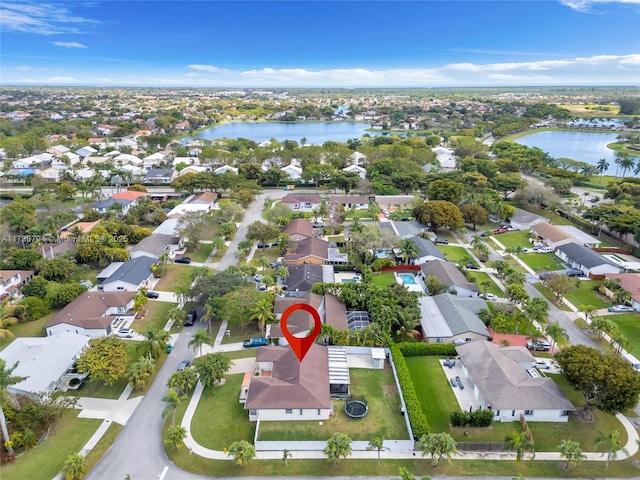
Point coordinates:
[[315, 133], [586, 147]]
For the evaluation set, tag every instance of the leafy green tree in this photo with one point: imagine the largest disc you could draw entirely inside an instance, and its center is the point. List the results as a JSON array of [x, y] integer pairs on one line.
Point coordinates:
[[408, 250], [176, 315], [572, 453], [172, 399], [439, 213], [200, 338], [176, 436], [262, 312], [262, 232], [559, 284], [74, 467], [556, 332], [516, 293], [406, 324], [106, 359], [19, 216], [507, 183], [474, 214], [140, 371], [519, 441], [59, 295], [183, 381], [447, 190], [33, 308], [242, 452], [36, 287], [212, 368], [57, 269], [438, 445], [6, 379], [338, 447]]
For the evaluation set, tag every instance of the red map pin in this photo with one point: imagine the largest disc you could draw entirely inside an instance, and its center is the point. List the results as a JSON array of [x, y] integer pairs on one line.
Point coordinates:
[[300, 346]]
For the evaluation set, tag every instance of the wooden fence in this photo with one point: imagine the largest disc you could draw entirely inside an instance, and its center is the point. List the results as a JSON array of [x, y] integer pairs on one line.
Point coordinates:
[[527, 430]]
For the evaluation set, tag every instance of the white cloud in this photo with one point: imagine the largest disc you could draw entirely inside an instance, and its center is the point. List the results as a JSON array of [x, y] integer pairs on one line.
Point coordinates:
[[585, 5], [69, 44], [43, 18], [63, 80]]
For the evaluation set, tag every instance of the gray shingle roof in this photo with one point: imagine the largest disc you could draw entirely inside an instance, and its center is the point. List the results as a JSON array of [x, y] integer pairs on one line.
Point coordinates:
[[133, 271], [583, 255], [500, 376], [427, 248], [303, 277], [447, 273], [461, 314]]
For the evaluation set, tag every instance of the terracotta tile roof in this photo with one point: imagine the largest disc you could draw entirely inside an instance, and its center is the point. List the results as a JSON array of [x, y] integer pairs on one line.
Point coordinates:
[[128, 195], [292, 384], [629, 281], [85, 227], [300, 227]]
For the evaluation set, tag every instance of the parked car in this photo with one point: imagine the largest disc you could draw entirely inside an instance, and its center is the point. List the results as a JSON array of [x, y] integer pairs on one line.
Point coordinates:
[[485, 234], [450, 362], [471, 266], [191, 318], [539, 364], [545, 250], [541, 345], [488, 296], [153, 295], [441, 241], [318, 225], [126, 333], [276, 264], [500, 231], [512, 229], [255, 342], [453, 382], [621, 308], [405, 219], [574, 272], [459, 382], [186, 260], [258, 277], [263, 245], [183, 365]]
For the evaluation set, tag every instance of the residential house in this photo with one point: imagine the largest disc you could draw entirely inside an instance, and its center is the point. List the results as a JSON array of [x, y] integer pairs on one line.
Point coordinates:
[[504, 380], [50, 174], [12, 280], [583, 258], [129, 195], [87, 173], [45, 363], [293, 173], [153, 160], [225, 169], [127, 276], [357, 169], [629, 282], [160, 175], [309, 250], [286, 388], [349, 202], [299, 229], [85, 152], [58, 150], [427, 250], [449, 275], [523, 220], [394, 202], [83, 227], [205, 198], [185, 161], [156, 244], [193, 169], [135, 171], [580, 236], [93, 314], [127, 159], [552, 235], [302, 202], [108, 205], [302, 277], [67, 160], [447, 318]]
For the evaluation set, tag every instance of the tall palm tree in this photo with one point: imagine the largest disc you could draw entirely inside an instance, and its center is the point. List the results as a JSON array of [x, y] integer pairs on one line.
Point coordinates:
[[609, 443], [155, 341], [626, 163], [200, 338], [286, 455], [519, 441], [172, 398], [408, 250], [556, 332], [7, 318], [263, 313], [6, 378], [406, 325], [377, 444]]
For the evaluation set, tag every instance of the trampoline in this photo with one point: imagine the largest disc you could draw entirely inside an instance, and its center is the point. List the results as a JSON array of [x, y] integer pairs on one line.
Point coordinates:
[[356, 407]]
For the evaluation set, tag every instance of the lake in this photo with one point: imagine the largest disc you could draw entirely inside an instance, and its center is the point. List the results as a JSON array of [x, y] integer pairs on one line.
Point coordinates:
[[316, 133], [586, 147]]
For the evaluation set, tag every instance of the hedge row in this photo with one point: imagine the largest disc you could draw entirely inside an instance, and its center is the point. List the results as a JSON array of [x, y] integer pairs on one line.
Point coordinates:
[[419, 349], [419, 423], [477, 418]]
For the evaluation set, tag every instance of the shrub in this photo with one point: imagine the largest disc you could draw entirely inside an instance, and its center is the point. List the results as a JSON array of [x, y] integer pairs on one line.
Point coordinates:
[[477, 418], [417, 418], [418, 349], [379, 263]]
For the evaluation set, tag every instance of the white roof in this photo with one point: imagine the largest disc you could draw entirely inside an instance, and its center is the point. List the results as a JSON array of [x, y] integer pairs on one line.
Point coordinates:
[[579, 235], [168, 227], [155, 156], [110, 269], [338, 366], [433, 322], [378, 353], [127, 157], [43, 360], [184, 208]]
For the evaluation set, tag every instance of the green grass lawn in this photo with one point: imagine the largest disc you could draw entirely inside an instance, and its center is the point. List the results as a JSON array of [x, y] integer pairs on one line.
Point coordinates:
[[244, 353], [519, 238], [586, 295], [203, 252], [481, 277], [446, 234], [453, 254], [220, 419], [28, 329], [383, 279], [156, 317], [177, 275], [69, 436], [383, 419], [244, 332], [548, 294], [272, 253], [629, 325], [542, 262]]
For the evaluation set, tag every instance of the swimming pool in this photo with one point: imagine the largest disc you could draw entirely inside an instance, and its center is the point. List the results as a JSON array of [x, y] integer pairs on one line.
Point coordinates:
[[407, 278]]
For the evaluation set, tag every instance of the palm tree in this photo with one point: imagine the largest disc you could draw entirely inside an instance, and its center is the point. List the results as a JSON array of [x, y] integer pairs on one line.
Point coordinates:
[[6, 378], [7, 318], [182, 293], [176, 315], [406, 324], [376, 443], [74, 467], [286, 455], [519, 441], [176, 435], [571, 452], [408, 250], [263, 313], [155, 341], [609, 443], [200, 338], [242, 451], [556, 332], [626, 163], [172, 399]]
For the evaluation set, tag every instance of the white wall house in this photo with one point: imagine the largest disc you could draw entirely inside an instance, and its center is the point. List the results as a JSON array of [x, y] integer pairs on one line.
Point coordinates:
[[293, 173], [12, 280], [127, 276], [357, 169], [585, 259]]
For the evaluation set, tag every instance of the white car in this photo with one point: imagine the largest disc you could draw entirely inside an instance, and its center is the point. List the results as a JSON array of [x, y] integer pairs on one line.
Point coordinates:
[[258, 277], [545, 250], [488, 296], [126, 333], [621, 308]]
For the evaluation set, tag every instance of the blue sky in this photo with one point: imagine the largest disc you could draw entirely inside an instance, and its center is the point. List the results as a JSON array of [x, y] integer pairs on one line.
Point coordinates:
[[320, 44]]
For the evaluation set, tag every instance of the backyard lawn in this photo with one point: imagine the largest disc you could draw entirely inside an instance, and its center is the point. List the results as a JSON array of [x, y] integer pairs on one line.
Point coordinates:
[[542, 262], [629, 325], [519, 238], [156, 317], [220, 419], [586, 295], [454, 254], [481, 277], [69, 436], [177, 275], [203, 252], [383, 279], [27, 329], [384, 418]]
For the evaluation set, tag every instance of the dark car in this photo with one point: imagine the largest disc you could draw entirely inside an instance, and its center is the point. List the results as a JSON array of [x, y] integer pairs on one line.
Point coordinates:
[[191, 318], [186, 260], [153, 295], [318, 225], [574, 272], [459, 382], [263, 245], [183, 365], [276, 264], [471, 266], [405, 219], [441, 241], [453, 382], [255, 342]]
